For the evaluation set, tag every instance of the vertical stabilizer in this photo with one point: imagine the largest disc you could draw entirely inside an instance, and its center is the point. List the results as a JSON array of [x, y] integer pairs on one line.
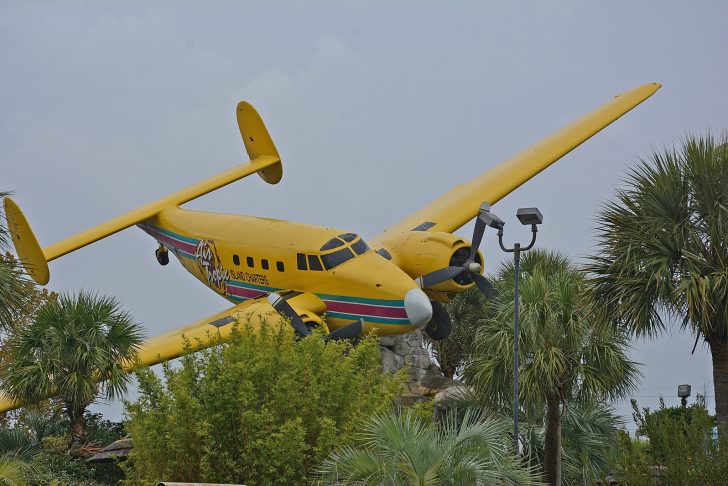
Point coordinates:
[[26, 245]]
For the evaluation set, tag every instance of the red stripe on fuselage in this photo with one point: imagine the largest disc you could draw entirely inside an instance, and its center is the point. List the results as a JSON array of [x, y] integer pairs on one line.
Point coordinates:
[[173, 243], [243, 292], [366, 310]]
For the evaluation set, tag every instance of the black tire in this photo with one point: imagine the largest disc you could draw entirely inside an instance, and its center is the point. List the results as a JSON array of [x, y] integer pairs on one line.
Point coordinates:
[[440, 325], [162, 255]]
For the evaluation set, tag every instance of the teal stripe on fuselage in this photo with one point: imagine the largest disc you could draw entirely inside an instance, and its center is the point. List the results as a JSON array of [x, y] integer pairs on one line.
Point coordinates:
[[362, 300], [356, 317], [246, 285], [174, 235]]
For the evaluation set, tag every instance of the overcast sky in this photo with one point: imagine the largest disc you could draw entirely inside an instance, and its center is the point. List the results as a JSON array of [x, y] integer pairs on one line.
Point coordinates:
[[376, 109]]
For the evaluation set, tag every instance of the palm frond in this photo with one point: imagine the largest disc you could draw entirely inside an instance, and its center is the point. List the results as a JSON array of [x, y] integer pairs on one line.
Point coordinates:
[[73, 349], [397, 448]]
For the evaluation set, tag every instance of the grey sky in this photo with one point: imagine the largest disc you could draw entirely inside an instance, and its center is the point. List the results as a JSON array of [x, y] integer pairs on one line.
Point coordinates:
[[376, 109]]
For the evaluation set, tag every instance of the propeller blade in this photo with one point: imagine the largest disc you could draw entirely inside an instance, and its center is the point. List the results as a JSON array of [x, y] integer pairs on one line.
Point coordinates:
[[477, 237], [441, 275], [281, 305], [349, 331], [484, 285]]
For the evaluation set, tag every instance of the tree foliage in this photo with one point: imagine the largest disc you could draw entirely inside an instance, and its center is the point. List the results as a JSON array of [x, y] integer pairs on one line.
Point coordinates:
[[465, 312], [263, 408], [663, 249], [567, 354], [73, 349], [400, 449], [53, 466], [13, 281], [681, 449], [37, 448]]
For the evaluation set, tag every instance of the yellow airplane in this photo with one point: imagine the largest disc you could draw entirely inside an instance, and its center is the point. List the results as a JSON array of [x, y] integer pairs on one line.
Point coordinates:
[[319, 276]]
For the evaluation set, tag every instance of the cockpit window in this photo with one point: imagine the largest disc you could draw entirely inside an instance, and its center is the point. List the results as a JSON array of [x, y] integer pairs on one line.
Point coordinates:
[[336, 258], [348, 237], [360, 247], [331, 244]]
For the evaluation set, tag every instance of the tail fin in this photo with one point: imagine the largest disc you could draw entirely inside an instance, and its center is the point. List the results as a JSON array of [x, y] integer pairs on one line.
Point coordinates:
[[258, 142], [264, 160], [26, 245]]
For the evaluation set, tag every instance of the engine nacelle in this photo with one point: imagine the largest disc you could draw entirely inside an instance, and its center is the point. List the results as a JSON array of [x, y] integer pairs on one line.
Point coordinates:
[[420, 252]]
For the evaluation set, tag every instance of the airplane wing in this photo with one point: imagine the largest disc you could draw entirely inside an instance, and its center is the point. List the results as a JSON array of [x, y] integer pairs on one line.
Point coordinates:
[[203, 333], [460, 205], [196, 336]]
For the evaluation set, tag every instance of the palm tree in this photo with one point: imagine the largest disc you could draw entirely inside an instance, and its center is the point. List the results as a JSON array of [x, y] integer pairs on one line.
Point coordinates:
[[400, 449], [12, 471], [74, 349], [565, 354], [12, 279], [663, 250]]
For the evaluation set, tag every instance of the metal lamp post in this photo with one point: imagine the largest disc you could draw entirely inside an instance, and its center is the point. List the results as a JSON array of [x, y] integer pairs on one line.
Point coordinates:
[[533, 217]]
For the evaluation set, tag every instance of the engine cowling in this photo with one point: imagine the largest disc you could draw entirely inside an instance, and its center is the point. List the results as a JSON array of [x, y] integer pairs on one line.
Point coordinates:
[[420, 252]]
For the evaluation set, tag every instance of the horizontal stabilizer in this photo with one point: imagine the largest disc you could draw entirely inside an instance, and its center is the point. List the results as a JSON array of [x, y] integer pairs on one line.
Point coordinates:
[[148, 210], [264, 161]]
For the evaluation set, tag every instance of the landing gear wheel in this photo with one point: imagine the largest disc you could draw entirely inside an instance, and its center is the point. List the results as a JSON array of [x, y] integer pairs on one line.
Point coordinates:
[[162, 255], [440, 325]]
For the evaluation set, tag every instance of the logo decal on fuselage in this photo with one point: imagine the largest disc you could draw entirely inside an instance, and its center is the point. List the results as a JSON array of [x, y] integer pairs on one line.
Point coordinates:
[[208, 262]]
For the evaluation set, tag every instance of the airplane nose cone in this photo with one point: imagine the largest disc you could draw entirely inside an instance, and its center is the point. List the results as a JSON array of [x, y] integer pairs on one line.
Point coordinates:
[[418, 308]]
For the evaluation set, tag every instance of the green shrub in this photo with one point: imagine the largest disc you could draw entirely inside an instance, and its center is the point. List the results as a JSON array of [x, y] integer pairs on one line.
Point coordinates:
[[52, 466], [264, 408], [681, 448]]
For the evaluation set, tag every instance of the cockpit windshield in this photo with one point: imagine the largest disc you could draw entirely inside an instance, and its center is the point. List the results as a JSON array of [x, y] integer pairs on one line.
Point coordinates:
[[360, 247], [336, 258]]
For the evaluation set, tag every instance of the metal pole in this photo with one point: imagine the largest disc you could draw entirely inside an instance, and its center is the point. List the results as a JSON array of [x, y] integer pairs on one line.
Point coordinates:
[[517, 265]]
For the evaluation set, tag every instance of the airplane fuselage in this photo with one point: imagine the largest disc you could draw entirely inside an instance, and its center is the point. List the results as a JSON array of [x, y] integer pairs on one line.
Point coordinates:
[[245, 257]]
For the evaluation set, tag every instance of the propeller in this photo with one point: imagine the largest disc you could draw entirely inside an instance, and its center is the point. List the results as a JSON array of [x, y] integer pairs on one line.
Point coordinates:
[[281, 305], [464, 265], [349, 331]]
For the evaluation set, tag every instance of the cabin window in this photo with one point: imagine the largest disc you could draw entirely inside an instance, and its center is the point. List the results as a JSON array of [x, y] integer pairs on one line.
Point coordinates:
[[250, 262], [348, 237], [236, 260], [384, 253], [280, 267], [336, 258], [360, 247], [314, 263], [264, 264], [301, 261]]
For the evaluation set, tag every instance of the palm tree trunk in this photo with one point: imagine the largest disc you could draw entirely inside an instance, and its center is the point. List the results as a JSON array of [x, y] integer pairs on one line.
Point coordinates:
[[552, 439], [78, 434], [449, 371], [719, 351]]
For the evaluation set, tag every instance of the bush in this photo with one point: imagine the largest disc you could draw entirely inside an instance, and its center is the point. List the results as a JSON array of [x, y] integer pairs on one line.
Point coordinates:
[[264, 408], [52, 466], [682, 448]]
